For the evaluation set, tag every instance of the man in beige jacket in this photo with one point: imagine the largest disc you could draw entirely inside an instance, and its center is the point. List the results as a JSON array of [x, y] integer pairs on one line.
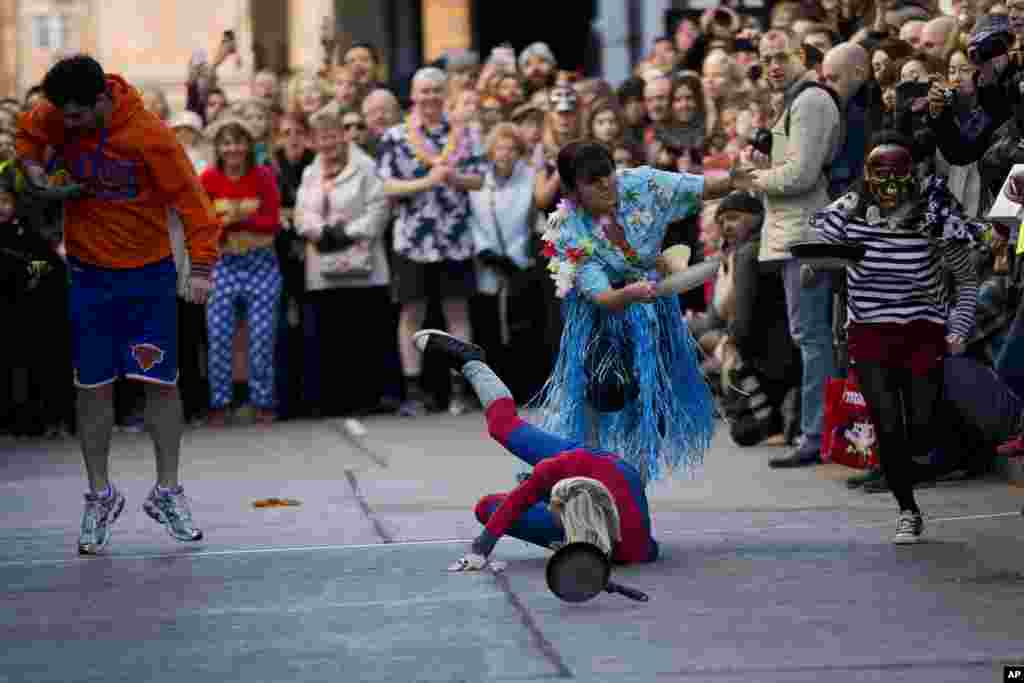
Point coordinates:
[[794, 184]]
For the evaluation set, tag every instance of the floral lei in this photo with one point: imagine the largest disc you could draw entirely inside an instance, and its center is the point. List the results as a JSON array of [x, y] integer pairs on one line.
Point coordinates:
[[565, 253], [419, 147]]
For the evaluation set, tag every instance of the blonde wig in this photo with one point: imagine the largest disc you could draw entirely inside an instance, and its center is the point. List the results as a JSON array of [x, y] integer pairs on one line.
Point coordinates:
[[587, 511]]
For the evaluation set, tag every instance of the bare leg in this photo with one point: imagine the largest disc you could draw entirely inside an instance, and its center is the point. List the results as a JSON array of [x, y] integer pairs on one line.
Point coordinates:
[[164, 424], [95, 428], [456, 316], [409, 322]]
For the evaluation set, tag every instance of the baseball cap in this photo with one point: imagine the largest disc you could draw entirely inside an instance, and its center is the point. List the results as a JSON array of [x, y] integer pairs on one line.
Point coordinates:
[[563, 99]]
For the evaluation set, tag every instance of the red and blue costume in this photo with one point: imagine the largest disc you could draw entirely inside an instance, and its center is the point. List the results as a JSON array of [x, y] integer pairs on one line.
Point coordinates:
[[523, 513]]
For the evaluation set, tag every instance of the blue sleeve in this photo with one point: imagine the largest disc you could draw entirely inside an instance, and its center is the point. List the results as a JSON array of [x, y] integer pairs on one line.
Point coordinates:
[[676, 195], [592, 279]]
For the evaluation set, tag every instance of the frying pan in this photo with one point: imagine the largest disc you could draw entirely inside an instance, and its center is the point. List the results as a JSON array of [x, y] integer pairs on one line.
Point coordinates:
[[827, 254], [577, 572]]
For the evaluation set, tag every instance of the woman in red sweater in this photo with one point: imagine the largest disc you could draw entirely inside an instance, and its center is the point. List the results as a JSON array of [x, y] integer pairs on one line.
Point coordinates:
[[248, 203]]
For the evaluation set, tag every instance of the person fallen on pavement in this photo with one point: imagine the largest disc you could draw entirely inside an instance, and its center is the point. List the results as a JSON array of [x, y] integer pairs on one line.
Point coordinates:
[[573, 494]]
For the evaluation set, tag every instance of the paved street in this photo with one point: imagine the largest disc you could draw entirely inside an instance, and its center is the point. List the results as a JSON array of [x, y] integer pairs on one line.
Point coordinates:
[[766, 576]]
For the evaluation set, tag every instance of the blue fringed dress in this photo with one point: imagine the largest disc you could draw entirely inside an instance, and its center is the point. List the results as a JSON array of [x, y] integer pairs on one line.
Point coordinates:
[[669, 424]]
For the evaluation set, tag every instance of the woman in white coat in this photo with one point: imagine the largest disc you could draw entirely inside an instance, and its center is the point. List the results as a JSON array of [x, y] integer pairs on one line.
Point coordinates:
[[341, 212], [503, 212]]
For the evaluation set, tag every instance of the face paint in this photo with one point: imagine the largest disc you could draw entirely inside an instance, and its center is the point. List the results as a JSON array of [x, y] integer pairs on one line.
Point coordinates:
[[889, 173]]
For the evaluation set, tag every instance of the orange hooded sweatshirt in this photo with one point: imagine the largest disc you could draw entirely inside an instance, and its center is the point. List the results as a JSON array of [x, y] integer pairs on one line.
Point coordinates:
[[135, 171]]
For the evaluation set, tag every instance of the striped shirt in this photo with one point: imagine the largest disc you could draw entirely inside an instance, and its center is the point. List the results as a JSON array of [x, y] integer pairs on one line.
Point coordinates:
[[900, 278]]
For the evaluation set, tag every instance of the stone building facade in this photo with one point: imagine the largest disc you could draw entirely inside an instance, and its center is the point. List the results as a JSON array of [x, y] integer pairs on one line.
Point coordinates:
[[152, 42]]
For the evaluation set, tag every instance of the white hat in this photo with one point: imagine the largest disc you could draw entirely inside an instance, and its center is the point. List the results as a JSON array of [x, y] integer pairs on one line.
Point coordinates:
[[187, 119]]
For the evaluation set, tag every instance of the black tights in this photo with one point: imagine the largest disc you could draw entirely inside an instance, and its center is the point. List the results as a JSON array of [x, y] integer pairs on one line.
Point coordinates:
[[903, 407]]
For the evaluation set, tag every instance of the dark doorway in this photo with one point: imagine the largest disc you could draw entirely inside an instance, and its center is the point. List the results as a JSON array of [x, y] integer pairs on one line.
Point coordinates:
[[564, 26]]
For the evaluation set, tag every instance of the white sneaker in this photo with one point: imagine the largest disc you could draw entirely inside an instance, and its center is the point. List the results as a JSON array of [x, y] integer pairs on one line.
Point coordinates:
[[908, 529], [354, 427], [458, 405]]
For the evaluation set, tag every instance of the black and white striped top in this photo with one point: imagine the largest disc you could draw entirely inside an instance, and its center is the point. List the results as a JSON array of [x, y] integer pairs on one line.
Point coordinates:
[[900, 278]]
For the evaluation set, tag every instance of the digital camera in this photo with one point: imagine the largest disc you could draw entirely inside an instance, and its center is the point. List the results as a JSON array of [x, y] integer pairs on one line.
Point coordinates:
[[762, 141], [995, 45]]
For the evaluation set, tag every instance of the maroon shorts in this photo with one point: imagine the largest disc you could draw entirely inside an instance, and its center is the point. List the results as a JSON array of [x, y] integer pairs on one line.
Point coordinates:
[[918, 345]]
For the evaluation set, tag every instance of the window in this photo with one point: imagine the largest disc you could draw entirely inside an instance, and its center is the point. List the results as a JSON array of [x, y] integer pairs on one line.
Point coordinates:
[[49, 32]]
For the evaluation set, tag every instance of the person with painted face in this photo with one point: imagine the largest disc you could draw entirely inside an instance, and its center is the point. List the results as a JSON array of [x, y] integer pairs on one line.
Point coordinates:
[[627, 378], [963, 140], [899, 325]]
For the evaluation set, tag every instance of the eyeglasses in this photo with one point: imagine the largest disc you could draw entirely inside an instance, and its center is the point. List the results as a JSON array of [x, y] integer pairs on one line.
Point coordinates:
[[356, 125], [780, 58]]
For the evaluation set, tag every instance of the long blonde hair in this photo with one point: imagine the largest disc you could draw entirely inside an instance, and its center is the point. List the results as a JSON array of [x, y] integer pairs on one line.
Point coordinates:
[[587, 511]]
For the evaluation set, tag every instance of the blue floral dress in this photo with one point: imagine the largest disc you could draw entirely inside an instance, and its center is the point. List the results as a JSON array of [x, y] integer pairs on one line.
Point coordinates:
[[667, 422]]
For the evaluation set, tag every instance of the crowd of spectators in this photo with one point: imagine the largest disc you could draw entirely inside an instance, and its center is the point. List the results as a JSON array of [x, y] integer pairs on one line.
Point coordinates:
[[353, 217]]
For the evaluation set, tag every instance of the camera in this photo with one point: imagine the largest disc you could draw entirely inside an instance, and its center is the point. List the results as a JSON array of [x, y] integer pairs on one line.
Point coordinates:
[[762, 141], [993, 46], [722, 18]]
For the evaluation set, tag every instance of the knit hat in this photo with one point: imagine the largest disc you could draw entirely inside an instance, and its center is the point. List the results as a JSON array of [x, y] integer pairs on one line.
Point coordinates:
[[741, 201], [536, 50], [460, 59], [563, 98], [225, 120], [524, 110], [187, 119]]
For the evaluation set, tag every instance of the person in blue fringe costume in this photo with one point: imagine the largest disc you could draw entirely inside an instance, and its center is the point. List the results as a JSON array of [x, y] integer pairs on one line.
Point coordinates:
[[627, 378]]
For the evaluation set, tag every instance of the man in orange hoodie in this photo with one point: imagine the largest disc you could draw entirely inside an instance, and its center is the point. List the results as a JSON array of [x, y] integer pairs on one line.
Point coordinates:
[[97, 134]]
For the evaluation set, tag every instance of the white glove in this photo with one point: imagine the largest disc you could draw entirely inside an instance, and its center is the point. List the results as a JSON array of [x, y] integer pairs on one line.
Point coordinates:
[[848, 202], [469, 563], [475, 563]]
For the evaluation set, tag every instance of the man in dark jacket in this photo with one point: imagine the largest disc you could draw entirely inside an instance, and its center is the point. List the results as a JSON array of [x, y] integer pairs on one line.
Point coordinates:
[[758, 328], [998, 82]]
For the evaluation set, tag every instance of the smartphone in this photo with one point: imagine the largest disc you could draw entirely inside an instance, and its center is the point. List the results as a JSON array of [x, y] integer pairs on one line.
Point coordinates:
[[908, 92]]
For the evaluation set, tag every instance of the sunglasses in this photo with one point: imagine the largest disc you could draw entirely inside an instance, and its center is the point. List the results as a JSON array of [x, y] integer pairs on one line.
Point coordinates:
[[356, 125]]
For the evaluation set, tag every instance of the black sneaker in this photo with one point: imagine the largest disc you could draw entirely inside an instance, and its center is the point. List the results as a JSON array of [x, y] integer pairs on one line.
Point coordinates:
[[454, 351], [798, 458], [908, 528]]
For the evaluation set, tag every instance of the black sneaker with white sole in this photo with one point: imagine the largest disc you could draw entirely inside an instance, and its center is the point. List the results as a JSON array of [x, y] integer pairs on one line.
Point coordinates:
[[453, 350], [908, 528]]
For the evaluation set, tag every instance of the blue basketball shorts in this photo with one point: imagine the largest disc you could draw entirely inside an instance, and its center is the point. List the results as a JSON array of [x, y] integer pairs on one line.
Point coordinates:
[[124, 323]]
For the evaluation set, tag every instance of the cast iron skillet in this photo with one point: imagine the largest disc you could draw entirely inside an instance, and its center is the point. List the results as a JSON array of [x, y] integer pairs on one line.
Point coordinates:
[[828, 255], [579, 571]]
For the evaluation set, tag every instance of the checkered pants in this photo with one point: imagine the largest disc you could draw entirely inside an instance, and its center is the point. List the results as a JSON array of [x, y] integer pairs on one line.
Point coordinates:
[[248, 285]]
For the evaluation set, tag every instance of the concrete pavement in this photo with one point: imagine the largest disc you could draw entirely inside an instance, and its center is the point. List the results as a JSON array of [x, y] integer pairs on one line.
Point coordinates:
[[766, 575]]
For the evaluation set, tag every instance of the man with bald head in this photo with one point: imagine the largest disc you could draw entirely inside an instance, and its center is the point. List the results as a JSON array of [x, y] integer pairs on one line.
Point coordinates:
[[847, 70], [805, 140], [380, 111], [911, 32], [935, 36]]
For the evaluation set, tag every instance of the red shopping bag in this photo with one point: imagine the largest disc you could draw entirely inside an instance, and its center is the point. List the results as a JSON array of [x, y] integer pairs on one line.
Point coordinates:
[[849, 437]]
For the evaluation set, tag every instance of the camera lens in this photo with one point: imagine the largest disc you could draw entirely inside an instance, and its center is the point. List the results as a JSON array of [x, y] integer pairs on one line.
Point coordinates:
[[762, 141]]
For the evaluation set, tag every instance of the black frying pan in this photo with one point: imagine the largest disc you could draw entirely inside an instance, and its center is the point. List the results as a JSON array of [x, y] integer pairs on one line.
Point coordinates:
[[828, 254], [579, 571]]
